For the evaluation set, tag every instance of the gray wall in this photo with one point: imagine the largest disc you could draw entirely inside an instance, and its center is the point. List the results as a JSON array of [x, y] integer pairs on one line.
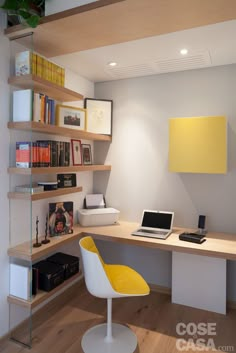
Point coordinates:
[[139, 156]]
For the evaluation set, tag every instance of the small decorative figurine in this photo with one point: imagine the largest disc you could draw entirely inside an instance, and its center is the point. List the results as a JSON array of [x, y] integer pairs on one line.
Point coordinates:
[[37, 244], [46, 240]]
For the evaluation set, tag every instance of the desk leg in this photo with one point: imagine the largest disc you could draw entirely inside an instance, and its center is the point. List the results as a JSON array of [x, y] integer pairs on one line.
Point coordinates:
[[199, 281]]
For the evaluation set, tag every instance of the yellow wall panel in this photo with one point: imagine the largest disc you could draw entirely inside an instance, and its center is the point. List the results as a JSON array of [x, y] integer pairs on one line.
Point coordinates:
[[198, 145]]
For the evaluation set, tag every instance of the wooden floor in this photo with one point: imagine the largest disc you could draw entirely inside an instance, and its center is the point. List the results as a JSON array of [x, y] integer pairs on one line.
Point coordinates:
[[58, 328]]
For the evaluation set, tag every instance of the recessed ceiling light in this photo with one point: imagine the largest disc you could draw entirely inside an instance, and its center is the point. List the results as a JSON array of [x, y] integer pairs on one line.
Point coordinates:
[[184, 51], [112, 63]]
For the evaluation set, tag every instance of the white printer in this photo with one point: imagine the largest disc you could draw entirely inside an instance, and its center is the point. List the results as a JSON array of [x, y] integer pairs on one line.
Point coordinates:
[[95, 212]]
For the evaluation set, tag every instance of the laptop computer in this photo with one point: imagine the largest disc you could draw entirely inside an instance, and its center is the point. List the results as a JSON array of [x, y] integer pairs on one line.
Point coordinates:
[[155, 224]]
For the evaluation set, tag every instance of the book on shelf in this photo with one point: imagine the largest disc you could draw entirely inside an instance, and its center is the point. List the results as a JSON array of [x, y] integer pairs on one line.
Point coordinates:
[[42, 108], [67, 154], [53, 153], [61, 154], [25, 63], [23, 105], [51, 111], [28, 62], [33, 189], [37, 107], [42, 153], [33, 106], [23, 155], [20, 281]]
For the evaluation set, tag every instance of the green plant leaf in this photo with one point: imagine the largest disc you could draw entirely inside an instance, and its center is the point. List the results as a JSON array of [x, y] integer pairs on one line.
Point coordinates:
[[10, 5], [24, 14], [23, 9], [33, 21], [24, 4]]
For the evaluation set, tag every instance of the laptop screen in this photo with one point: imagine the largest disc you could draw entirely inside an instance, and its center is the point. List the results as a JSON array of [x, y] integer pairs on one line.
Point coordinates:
[[161, 220]]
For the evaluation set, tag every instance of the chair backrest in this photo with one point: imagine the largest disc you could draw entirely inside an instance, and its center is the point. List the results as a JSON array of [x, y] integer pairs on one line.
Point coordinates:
[[96, 279]]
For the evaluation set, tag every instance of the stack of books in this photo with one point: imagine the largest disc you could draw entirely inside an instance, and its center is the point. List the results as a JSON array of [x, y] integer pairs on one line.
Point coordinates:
[[33, 189], [32, 106], [28, 62], [42, 153]]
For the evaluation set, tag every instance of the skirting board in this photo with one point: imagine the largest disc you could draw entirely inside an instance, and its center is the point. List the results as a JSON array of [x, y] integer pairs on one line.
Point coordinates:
[[165, 290], [159, 289]]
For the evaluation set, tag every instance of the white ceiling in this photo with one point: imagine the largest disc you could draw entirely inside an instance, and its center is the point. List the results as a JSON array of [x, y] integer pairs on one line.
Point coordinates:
[[211, 45]]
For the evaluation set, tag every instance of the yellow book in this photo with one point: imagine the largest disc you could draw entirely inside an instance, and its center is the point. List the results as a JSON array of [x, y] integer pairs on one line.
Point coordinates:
[[63, 77], [49, 71], [39, 69], [54, 76], [44, 68], [58, 75], [34, 63]]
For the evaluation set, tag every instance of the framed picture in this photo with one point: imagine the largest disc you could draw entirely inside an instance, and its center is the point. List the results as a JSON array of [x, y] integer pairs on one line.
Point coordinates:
[[76, 152], [60, 218], [86, 153], [71, 117], [99, 115]]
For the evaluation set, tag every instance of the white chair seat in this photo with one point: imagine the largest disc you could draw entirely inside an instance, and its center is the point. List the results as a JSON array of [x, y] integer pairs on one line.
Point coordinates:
[[109, 281]]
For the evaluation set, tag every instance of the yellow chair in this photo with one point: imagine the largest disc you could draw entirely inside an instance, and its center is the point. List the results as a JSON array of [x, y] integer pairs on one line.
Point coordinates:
[[109, 281]]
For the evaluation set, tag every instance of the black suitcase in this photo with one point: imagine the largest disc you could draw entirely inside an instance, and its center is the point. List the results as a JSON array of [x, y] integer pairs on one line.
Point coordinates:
[[50, 275], [70, 263]]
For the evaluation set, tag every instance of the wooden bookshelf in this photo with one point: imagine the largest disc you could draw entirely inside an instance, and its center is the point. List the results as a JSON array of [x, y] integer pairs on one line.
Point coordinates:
[[107, 22], [41, 296], [57, 130], [59, 170], [40, 85], [43, 195], [25, 251]]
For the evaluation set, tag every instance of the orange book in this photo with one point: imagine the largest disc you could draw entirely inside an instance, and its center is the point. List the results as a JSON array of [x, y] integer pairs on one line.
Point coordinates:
[[44, 153], [34, 155], [23, 154]]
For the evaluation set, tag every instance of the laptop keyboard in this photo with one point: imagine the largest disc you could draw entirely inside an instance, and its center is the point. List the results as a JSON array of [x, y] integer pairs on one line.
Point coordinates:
[[152, 231]]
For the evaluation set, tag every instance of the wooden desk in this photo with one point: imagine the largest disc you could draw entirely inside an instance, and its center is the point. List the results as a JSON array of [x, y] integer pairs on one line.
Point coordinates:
[[198, 270], [220, 245]]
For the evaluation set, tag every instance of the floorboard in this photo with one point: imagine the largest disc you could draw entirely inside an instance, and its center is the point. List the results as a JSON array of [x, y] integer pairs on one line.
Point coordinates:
[[59, 326]]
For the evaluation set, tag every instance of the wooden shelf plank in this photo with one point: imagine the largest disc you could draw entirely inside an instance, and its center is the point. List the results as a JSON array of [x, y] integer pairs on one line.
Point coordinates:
[[129, 20], [41, 296], [57, 130], [40, 85], [25, 251], [50, 29], [58, 170], [44, 194]]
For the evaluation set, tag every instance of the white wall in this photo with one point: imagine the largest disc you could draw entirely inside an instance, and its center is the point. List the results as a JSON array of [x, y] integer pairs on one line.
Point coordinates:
[[53, 6], [139, 156], [20, 211], [73, 82]]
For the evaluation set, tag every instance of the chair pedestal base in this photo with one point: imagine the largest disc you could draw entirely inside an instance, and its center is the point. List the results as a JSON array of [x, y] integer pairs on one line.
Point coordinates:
[[124, 340]]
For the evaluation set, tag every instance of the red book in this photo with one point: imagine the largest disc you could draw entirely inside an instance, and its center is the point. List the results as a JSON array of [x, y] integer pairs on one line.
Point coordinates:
[[23, 155]]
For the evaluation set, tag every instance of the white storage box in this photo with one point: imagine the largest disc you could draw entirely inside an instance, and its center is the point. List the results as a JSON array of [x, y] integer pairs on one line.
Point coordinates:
[[98, 216]]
